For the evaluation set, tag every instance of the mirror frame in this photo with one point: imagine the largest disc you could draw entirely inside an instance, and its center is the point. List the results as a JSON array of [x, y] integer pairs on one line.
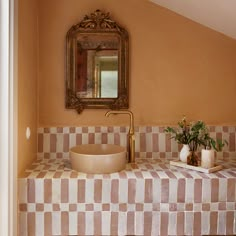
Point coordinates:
[[101, 24]]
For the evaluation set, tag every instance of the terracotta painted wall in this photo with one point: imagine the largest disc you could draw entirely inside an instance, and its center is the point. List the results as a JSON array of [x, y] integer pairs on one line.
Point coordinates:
[[177, 66], [27, 82]]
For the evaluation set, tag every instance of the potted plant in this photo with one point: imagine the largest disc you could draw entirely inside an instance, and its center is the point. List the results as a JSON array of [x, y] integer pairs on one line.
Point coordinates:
[[192, 135], [181, 135], [208, 152]]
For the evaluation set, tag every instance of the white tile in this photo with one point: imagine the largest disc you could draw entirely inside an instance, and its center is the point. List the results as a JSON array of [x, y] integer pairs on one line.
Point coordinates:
[[140, 190], [56, 190], [221, 229], [123, 191], [188, 223], [39, 221], [139, 219], [73, 190], [122, 223], [206, 193], [46, 143], [89, 190], [172, 225], [59, 143], [39, 191], [72, 140], [156, 190], [173, 183], [89, 227], [156, 223], [106, 227], [73, 222], [205, 222], [56, 223], [222, 189]]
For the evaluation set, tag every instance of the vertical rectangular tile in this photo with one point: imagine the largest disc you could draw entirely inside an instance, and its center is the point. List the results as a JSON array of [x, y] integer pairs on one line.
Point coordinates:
[[131, 190], [53, 142], [114, 223], [97, 223], [73, 190], [64, 190], [205, 222], [155, 142], [139, 190], [221, 229], [78, 139], [214, 190], [147, 223], [231, 190], [31, 229], [114, 191], [48, 224], [123, 190], [181, 191], [22, 224], [40, 143], [168, 143], [39, 220], [148, 191], [65, 142], [47, 190], [197, 223], [230, 220], [130, 223], [172, 227], [188, 224], [213, 222], [98, 190], [31, 190], [81, 191], [180, 223], [106, 223], [232, 142], [139, 223], [164, 223], [156, 223], [64, 223], [198, 191], [165, 190], [81, 223], [142, 142]]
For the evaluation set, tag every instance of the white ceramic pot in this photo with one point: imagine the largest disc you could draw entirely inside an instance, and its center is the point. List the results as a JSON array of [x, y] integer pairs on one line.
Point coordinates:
[[207, 158], [184, 152]]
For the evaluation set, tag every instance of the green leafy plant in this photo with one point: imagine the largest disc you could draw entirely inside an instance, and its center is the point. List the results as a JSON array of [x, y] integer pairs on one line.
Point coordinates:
[[194, 134]]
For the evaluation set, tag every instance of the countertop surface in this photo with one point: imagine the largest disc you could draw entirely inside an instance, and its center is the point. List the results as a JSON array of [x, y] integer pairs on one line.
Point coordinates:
[[141, 169]]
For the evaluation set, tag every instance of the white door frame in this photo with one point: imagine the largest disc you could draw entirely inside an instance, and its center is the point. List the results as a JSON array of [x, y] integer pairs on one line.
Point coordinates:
[[8, 117]]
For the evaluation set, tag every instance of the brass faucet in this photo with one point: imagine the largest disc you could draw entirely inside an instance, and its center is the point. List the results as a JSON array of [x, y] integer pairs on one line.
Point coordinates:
[[130, 135]]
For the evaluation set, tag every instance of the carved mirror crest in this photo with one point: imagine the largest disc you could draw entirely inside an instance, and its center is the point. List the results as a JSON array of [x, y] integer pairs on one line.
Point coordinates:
[[97, 64]]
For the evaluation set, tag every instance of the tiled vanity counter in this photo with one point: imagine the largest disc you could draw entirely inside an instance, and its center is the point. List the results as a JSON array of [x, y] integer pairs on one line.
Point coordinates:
[[150, 197]]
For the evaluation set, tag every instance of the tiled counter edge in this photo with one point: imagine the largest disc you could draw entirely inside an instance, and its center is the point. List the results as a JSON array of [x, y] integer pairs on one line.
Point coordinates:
[[148, 198]]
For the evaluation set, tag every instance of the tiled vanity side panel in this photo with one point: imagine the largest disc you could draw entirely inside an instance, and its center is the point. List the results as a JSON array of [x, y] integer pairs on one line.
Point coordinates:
[[76, 207], [151, 141]]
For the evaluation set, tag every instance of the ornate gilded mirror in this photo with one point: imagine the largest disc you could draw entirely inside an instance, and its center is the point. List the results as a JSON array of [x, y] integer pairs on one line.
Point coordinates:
[[97, 64]]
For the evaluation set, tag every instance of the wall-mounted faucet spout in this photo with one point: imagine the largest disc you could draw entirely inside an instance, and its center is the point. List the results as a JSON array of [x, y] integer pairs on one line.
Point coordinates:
[[130, 135]]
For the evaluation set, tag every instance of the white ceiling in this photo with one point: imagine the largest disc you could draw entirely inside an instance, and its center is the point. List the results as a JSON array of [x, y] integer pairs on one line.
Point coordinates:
[[219, 15]]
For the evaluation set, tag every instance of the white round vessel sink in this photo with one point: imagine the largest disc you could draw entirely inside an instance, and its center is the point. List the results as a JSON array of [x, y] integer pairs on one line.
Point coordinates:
[[98, 158]]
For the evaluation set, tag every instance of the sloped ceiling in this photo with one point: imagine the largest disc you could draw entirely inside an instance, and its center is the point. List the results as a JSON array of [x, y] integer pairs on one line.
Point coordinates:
[[219, 15]]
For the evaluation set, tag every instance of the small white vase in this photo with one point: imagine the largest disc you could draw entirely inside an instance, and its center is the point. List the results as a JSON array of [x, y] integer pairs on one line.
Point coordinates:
[[207, 158], [184, 153]]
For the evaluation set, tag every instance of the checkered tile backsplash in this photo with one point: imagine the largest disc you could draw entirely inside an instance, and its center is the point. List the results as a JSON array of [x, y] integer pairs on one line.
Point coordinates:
[[150, 141]]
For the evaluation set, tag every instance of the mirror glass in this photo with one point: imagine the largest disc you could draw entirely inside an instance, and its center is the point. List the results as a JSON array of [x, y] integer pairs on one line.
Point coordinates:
[[97, 64]]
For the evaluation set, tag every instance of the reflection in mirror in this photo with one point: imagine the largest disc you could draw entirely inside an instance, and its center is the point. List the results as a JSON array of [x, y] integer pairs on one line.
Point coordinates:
[[97, 64]]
